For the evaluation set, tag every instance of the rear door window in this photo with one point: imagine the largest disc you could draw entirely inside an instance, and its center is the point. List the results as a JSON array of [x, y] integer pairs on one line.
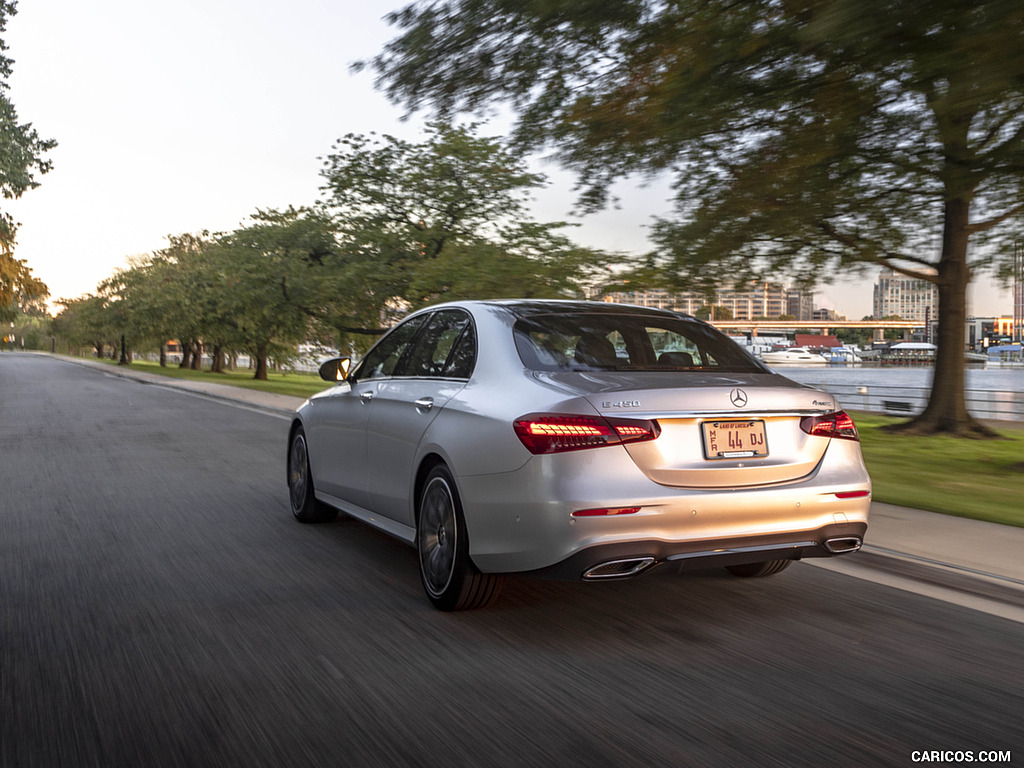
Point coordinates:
[[434, 346]]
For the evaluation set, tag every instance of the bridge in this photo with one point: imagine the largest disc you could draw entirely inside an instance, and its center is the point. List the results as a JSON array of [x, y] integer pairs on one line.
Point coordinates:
[[823, 326]]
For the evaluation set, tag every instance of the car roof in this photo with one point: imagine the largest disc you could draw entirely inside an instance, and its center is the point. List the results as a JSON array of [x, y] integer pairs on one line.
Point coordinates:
[[530, 307]]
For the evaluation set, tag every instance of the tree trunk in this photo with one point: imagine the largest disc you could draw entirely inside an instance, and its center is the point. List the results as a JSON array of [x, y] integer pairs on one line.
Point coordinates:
[[186, 354], [217, 364], [124, 353], [946, 411], [261, 363], [163, 355], [197, 356]]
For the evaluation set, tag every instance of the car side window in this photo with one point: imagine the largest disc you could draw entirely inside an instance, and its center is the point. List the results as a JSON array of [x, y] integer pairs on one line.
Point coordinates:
[[434, 346], [383, 359], [463, 357]]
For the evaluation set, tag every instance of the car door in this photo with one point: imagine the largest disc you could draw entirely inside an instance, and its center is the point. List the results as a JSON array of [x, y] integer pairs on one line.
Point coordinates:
[[437, 367], [338, 437]]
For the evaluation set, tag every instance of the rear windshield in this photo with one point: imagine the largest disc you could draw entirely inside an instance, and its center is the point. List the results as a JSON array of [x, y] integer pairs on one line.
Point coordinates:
[[614, 342]]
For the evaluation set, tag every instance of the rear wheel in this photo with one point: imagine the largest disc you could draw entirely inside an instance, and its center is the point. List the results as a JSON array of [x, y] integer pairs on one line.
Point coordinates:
[[449, 577], [304, 504], [755, 570]]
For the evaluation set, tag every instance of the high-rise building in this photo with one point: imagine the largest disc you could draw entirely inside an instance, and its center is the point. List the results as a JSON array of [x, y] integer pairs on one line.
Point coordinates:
[[659, 298], [824, 314], [910, 298], [758, 299]]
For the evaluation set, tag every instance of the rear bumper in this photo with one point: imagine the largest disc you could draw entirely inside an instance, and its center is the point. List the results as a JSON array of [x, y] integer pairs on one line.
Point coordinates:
[[626, 560], [523, 521]]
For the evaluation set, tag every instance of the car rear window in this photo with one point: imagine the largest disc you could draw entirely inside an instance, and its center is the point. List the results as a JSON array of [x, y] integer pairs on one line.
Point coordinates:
[[610, 342]]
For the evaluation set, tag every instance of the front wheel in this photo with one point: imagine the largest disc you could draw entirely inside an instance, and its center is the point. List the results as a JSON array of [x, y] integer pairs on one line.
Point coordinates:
[[449, 577], [304, 503], [756, 570]]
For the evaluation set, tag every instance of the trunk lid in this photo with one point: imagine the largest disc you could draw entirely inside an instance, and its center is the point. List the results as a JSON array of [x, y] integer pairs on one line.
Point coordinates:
[[698, 411]]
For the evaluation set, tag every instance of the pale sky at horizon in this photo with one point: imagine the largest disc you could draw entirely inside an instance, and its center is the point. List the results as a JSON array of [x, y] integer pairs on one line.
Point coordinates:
[[174, 118]]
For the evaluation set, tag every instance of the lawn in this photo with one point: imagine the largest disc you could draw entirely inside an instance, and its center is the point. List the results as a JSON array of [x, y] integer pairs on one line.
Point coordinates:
[[295, 384], [981, 479]]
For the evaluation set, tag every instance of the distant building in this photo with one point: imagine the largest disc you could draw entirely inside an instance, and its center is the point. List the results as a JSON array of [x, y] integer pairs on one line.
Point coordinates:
[[983, 332], [826, 315], [800, 303], [910, 298], [758, 299], [659, 298]]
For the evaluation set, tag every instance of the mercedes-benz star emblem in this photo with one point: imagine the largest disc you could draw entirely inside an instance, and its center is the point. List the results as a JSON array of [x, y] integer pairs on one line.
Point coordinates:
[[738, 397]]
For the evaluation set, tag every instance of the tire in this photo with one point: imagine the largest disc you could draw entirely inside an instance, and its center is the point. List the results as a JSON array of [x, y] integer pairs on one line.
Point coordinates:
[[450, 579], [302, 500], [757, 570]]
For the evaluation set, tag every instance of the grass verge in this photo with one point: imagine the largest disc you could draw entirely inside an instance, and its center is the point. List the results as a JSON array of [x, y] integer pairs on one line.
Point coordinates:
[[980, 479], [295, 384]]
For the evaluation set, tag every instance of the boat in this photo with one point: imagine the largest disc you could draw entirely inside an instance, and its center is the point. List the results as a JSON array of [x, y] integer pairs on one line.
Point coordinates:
[[844, 355], [794, 356]]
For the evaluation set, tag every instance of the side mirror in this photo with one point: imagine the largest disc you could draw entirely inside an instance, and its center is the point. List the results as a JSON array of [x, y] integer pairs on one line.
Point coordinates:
[[336, 369]]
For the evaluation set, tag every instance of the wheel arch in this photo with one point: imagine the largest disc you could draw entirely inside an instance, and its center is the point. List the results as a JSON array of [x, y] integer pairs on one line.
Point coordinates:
[[427, 465], [295, 426]]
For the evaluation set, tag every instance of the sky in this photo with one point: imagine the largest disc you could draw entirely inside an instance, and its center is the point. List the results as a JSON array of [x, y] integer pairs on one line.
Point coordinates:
[[190, 116]]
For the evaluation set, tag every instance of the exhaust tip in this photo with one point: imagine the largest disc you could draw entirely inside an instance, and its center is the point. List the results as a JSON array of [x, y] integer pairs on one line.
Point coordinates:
[[843, 544], [618, 569]]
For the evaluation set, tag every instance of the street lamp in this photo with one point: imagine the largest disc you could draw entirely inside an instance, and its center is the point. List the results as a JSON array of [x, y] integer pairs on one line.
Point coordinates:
[[1018, 291]]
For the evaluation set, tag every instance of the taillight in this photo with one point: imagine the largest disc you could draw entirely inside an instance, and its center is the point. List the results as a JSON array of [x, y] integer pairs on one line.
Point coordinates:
[[838, 424], [555, 432]]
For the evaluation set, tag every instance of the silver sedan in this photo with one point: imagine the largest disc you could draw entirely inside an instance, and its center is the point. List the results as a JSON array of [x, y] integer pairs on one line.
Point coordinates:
[[578, 440]]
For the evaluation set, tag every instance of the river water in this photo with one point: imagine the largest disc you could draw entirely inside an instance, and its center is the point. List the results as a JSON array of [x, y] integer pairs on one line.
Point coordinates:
[[992, 393]]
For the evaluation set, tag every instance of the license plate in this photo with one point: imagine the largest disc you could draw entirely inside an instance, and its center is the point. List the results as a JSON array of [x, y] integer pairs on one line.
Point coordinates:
[[734, 439]]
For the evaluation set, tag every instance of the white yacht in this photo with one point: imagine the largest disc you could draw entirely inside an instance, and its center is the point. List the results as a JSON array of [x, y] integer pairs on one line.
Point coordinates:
[[794, 356]]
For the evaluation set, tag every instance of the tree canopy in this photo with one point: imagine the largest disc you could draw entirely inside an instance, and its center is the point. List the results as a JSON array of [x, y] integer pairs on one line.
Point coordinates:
[[814, 137], [445, 218], [401, 225], [21, 157]]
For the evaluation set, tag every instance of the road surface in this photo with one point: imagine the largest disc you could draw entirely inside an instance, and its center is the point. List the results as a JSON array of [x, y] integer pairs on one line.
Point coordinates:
[[160, 607]]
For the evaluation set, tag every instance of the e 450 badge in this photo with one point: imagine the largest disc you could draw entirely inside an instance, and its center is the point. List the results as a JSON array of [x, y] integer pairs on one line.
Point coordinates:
[[621, 404]]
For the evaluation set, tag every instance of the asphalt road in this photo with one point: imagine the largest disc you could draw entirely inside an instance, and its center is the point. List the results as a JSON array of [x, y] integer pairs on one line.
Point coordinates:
[[160, 607]]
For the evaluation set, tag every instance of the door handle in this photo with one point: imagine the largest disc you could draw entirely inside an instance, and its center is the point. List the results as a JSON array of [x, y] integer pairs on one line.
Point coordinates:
[[425, 402], [366, 396]]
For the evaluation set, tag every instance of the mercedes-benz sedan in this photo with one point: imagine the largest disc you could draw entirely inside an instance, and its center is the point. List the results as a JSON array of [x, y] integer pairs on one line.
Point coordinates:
[[577, 440]]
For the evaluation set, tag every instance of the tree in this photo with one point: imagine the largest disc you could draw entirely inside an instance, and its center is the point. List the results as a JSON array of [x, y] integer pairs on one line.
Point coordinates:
[[445, 218], [253, 265], [807, 136], [721, 312], [20, 290], [21, 156], [84, 322], [893, 334], [178, 293]]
